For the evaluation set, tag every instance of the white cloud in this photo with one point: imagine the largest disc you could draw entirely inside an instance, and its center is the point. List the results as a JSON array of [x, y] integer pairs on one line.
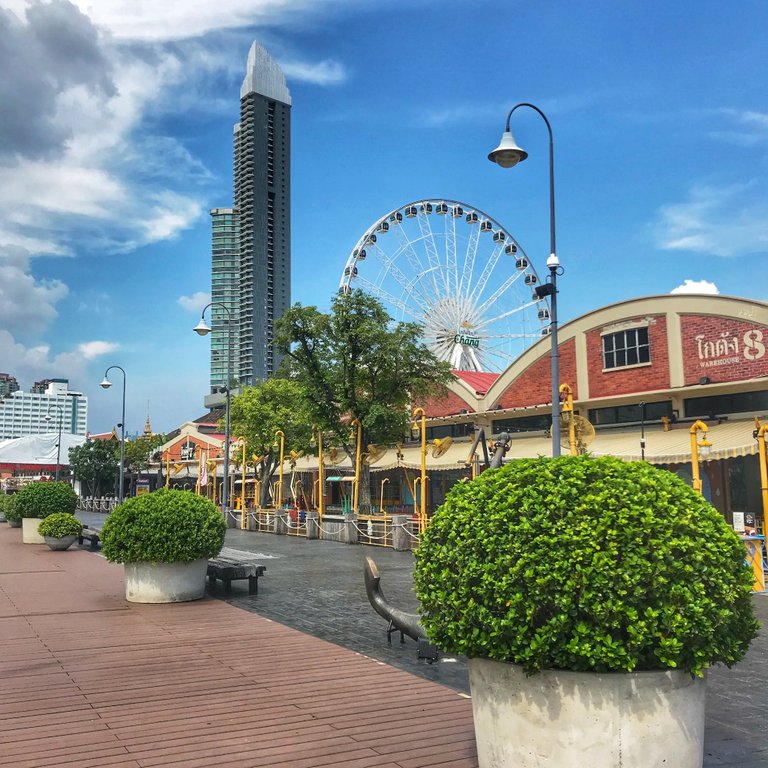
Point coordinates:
[[91, 349], [90, 176], [327, 72], [27, 305], [196, 302], [696, 286], [718, 221], [744, 127], [150, 20], [31, 363]]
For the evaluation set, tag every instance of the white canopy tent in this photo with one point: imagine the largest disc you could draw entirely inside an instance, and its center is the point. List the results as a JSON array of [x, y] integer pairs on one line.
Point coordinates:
[[39, 449]]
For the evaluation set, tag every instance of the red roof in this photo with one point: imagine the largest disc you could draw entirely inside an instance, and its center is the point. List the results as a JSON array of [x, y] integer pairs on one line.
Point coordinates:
[[477, 380]]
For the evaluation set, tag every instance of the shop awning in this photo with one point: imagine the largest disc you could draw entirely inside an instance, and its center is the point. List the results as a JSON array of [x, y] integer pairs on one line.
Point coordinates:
[[729, 440]]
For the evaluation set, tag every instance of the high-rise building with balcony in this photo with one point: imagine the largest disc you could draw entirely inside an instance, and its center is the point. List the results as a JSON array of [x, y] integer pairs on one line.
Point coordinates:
[[225, 289], [8, 384], [258, 227], [35, 413]]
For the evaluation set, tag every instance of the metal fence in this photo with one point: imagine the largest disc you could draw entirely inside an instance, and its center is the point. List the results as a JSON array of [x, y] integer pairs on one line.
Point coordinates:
[[96, 504]]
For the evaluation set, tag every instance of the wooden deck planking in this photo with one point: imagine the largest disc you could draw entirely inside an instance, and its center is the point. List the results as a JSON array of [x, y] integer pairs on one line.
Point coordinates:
[[119, 685]]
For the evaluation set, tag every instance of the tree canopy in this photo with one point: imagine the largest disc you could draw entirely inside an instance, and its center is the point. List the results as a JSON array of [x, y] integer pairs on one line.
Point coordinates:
[[257, 413], [357, 363], [139, 451], [95, 465]]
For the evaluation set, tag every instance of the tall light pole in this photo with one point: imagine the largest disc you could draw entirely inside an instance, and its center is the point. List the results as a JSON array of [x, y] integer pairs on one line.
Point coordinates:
[[48, 417], [203, 329], [106, 384], [507, 155]]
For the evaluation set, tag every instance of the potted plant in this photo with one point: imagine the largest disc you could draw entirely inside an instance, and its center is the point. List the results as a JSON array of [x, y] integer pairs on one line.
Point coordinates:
[[590, 596], [8, 510], [38, 500], [60, 530], [164, 539]]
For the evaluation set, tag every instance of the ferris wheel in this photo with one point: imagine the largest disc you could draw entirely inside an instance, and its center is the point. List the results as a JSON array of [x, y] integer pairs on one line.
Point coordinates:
[[459, 274]]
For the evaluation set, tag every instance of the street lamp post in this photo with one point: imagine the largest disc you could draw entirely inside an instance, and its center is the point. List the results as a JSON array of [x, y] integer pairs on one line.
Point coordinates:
[[203, 329], [507, 155], [48, 417], [106, 384]]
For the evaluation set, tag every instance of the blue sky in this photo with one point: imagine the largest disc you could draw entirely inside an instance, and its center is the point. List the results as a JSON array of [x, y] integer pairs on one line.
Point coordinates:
[[115, 141]]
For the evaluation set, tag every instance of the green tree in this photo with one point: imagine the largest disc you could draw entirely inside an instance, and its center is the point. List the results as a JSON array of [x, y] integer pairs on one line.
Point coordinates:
[[257, 413], [357, 363], [138, 452], [94, 464]]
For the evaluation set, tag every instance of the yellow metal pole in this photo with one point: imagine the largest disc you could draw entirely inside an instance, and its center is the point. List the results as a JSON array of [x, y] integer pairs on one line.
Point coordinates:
[[242, 490], [566, 412], [358, 441], [320, 477], [697, 426], [167, 469], [416, 481], [381, 500], [279, 499], [419, 412], [199, 470], [761, 438]]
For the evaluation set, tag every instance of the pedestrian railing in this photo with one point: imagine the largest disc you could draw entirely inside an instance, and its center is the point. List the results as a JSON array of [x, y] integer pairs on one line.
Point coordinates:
[[103, 504]]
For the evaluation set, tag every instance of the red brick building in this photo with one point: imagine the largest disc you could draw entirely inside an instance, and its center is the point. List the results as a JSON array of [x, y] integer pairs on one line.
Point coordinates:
[[648, 368]]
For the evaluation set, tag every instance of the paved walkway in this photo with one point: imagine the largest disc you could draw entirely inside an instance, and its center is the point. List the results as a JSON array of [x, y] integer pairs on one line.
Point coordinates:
[[88, 680], [315, 587]]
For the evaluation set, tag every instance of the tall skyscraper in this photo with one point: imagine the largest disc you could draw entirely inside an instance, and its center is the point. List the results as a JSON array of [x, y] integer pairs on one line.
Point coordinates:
[[258, 227]]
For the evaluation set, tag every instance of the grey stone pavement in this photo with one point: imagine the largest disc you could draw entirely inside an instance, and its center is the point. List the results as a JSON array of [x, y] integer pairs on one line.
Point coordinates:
[[317, 587]]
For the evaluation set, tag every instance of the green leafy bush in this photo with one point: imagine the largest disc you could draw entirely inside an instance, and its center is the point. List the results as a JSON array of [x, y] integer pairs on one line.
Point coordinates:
[[8, 508], [166, 526], [46, 498], [60, 524], [584, 564]]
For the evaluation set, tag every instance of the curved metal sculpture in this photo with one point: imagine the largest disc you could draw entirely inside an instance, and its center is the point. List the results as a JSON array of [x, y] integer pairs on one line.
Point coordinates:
[[500, 448], [399, 621]]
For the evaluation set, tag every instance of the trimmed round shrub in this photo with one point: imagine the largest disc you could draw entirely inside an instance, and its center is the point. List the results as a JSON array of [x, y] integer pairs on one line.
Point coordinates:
[[45, 498], [166, 526], [8, 507], [584, 563], [60, 524]]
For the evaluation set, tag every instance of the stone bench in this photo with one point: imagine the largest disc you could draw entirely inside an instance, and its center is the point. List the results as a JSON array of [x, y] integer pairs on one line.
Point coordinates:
[[230, 570], [92, 535]]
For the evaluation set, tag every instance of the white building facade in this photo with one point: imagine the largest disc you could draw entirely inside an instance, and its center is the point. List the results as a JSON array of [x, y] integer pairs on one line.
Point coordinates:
[[34, 413]]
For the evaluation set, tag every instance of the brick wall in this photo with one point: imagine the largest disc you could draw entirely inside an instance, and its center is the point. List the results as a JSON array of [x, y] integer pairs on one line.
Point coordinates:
[[534, 385], [723, 349], [621, 381], [448, 404]]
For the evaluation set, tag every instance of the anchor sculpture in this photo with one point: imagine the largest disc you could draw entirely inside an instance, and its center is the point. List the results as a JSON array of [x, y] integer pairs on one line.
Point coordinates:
[[399, 621], [410, 623]]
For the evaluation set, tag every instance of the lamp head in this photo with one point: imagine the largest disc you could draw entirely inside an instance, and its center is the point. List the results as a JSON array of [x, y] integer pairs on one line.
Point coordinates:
[[705, 448], [202, 328], [106, 384], [507, 153]]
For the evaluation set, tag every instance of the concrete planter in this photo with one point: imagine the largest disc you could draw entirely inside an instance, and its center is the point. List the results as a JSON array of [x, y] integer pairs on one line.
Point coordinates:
[[557, 718], [60, 543], [165, 582], [14, 523], [29, 534]]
